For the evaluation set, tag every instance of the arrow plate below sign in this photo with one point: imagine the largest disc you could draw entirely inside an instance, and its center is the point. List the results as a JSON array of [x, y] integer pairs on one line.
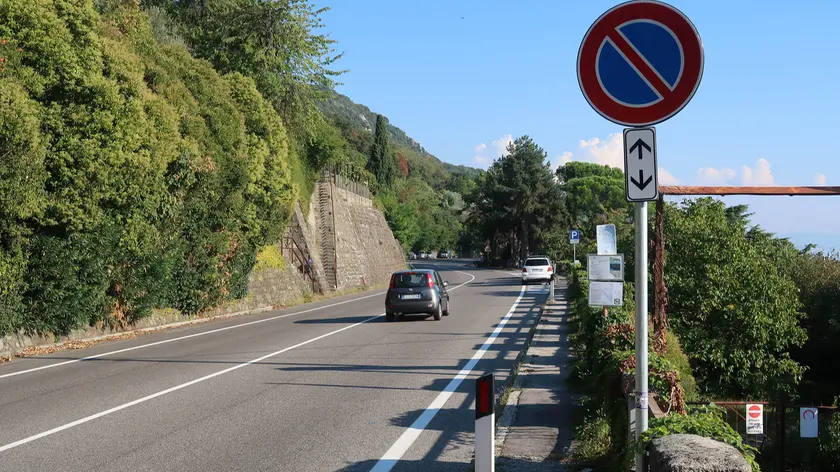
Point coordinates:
[[640, 164]]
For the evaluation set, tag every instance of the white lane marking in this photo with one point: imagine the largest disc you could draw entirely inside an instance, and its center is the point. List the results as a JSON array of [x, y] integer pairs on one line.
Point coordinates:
[[399, 448], [181, 338], [191, 382]]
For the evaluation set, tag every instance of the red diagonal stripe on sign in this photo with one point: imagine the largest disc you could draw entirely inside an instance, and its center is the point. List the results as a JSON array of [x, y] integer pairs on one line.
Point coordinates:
[[640, 64]]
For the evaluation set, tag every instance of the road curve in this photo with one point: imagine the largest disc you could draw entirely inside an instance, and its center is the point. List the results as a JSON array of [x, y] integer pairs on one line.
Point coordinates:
[[328, 386]]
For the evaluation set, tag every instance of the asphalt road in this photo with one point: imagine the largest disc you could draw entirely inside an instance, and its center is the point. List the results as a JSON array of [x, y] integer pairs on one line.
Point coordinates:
[[327, 386]]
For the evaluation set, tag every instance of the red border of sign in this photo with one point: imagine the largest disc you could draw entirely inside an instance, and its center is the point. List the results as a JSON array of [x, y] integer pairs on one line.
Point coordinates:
[[671, 104]]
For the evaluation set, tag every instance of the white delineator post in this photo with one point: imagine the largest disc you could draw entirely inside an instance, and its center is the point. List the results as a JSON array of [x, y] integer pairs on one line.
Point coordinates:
[[641, 324], [485, 424]]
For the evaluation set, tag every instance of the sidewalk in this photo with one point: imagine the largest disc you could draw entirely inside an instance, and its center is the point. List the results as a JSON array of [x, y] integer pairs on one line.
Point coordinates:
[[535, 430]]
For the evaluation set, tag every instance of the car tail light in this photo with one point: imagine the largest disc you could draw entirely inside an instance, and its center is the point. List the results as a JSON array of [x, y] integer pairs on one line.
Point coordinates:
[[393, 276], [524, 270], [549, 268], [431, 281]]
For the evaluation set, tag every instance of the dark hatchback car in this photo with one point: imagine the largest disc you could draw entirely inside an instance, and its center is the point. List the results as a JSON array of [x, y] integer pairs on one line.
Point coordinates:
[[417, 291]]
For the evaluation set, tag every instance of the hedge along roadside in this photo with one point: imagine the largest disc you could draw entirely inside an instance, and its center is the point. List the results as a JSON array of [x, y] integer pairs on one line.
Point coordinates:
[[604, 367]]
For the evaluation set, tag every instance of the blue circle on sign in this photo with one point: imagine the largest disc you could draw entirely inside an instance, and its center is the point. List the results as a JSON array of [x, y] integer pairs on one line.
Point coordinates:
[[652, 43]]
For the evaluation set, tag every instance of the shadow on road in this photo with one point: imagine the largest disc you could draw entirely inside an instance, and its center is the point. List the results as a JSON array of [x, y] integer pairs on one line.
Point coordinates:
[[421, 465], [502, 465], [341, 320]]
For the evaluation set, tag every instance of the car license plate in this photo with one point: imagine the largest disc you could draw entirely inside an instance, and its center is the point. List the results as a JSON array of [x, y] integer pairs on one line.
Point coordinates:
[[413, 296], [537, 270]]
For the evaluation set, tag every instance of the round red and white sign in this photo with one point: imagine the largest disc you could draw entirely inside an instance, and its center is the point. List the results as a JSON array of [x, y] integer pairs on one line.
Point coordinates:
[[754, 411]]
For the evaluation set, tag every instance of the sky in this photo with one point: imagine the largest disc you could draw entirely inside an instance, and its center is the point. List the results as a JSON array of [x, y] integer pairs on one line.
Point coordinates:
[[465, 77]]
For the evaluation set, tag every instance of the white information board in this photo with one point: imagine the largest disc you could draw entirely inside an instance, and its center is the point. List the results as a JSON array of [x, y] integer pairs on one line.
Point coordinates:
[[606, 293], [606, 268], [605, 236]]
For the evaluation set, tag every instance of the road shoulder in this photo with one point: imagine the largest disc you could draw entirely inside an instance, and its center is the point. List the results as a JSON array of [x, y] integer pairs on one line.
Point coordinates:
[[535, 430]]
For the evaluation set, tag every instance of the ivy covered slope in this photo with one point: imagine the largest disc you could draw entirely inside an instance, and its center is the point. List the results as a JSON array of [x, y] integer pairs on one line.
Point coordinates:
[[132, 175]]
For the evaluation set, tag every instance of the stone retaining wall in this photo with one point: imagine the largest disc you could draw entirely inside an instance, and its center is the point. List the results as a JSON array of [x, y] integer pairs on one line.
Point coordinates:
[[366, 249]]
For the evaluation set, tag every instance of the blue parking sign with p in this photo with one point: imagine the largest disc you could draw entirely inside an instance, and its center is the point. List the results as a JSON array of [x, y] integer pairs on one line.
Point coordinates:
[[574, 236]]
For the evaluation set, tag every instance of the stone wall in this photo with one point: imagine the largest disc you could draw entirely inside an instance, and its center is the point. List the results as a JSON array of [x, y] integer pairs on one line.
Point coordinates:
[[269, 288], [366, 250]]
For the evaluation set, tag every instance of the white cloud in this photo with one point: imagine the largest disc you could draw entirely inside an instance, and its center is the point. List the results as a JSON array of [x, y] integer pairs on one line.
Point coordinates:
[[500, 145], [758, 175], [561, 160], [666, 178], [485, 154], [712, 176], [609, 152], [819, 179]]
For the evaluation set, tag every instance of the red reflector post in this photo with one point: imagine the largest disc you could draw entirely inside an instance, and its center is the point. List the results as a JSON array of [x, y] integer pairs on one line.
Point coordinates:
[[484, 396]]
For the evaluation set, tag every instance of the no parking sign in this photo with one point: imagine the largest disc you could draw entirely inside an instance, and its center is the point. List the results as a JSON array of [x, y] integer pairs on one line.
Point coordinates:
[[640, 63]]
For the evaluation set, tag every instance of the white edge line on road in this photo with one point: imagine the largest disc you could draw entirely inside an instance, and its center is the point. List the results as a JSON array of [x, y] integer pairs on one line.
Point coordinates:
[[161, 393], [399, 448], [181, 338]]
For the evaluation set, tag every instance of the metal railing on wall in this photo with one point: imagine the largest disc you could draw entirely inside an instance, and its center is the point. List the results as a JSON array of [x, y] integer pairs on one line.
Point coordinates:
[[290, 249], [344, 178]]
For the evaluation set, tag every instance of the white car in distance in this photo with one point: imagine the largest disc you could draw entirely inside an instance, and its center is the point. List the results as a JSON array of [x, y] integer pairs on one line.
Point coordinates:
[[537, 269]]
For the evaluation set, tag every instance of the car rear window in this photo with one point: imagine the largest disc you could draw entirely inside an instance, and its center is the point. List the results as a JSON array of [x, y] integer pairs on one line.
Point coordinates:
[[414, 279], [536, 262]]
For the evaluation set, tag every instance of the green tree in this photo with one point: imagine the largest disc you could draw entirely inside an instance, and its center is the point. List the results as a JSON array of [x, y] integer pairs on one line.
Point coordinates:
[[276, 43], [736, 314], [382, 163], [592, 192], [518, 204]]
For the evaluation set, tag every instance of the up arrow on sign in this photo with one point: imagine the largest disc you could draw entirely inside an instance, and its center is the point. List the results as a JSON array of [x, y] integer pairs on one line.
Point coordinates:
[[640, 164]]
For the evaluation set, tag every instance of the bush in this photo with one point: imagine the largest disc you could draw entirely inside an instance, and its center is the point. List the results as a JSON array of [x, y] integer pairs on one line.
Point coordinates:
[[593, 440], [604, 348], [680, 363]]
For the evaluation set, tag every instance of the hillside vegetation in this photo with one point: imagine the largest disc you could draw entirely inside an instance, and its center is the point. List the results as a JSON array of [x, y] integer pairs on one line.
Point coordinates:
[[150, 152]]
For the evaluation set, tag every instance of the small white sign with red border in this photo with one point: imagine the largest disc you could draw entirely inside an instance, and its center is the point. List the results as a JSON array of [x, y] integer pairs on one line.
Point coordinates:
[[755, 418]]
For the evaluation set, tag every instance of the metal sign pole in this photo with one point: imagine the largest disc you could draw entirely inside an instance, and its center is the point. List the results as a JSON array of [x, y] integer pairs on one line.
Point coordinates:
[[641, 325]]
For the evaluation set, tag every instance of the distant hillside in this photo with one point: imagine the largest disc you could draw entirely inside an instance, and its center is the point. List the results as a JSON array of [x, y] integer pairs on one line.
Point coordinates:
[[342, 108]]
